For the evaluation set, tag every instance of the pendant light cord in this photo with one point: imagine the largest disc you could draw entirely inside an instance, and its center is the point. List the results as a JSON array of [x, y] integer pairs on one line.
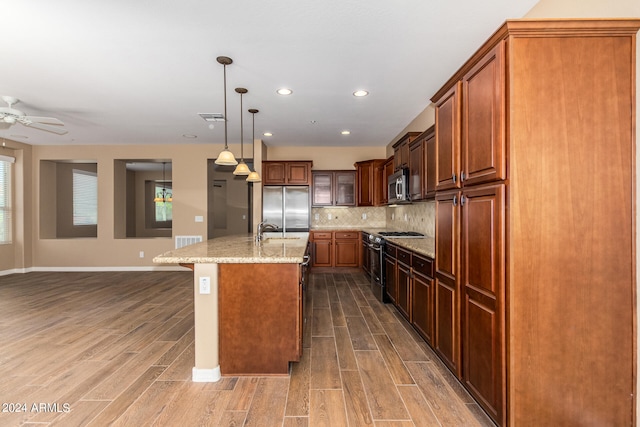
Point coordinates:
[[225, 107]]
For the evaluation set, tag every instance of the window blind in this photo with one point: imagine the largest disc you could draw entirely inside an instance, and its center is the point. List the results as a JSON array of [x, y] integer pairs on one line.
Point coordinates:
[[85, 197], [5, 199]]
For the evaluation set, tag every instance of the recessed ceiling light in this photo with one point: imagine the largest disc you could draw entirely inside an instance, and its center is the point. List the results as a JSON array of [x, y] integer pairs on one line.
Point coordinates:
[[360, 93], [267, 134], [346, 132], [284, 91]]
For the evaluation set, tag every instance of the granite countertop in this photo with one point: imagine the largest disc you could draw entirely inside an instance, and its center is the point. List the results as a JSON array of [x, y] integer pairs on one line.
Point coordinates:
[[424, 245], [241, 249]]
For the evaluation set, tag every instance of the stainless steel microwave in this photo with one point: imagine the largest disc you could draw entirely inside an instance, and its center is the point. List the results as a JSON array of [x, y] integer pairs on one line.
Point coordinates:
[[398, 187]]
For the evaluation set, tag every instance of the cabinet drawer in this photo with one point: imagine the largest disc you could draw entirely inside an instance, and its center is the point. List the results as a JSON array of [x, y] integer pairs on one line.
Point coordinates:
[[321, 235], [422, 265], [346, 234], [390, 250], [403, 256]]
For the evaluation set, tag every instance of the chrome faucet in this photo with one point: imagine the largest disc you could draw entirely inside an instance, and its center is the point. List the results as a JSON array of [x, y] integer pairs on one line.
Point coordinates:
[[261, 229]]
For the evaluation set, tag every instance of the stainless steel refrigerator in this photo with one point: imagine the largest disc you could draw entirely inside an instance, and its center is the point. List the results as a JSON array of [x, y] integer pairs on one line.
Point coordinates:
[[287, 207]]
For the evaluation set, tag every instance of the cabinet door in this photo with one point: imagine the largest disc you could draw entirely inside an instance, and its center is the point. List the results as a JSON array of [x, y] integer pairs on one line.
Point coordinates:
[[346, 253], [447, 312], [274, 173], [298, 173], [345, 188], [365, 184], [390, 278], [483, 276], [322, 189], [404, 290], [322, 253], [422, 306], [388, 171], [416, 169], [448, 140], [483, 133], [430, 166]]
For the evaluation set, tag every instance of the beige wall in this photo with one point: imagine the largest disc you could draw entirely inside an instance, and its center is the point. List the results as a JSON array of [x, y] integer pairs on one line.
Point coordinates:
[[420, 123], [327, 157]]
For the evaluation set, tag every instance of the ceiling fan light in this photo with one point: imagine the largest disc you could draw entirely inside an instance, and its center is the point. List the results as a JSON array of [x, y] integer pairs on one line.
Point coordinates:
[[9, 119], [242, 169], [226, 158], [253, 177]]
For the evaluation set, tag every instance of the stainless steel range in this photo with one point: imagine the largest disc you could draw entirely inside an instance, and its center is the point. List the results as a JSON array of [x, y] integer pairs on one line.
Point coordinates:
[[376, 259]]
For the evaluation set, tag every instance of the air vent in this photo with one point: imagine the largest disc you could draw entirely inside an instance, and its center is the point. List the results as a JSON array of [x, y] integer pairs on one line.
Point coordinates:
[[212, 117]]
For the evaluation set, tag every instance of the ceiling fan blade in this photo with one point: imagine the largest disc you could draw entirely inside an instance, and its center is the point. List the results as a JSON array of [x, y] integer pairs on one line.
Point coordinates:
[[4, 125], [44, 120], [47, 128]]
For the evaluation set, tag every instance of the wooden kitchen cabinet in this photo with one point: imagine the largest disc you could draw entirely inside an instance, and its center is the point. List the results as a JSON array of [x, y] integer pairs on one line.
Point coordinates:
[[335, 248], [333, 188], [322, 249], [416, 169], [387, 171], [390, 272], [429, 161], [520, 242], [448, 138], [447, 338], [403, 282], [286, 172], [422, 306], [401, 151], [370, 184]]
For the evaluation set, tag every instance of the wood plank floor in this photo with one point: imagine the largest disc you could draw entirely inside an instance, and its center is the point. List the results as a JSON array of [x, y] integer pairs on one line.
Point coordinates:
[[97, 349]]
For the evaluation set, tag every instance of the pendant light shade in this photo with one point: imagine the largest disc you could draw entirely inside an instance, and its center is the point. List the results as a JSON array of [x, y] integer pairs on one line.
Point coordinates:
[[242, 168], [253, 176], [226, 157]]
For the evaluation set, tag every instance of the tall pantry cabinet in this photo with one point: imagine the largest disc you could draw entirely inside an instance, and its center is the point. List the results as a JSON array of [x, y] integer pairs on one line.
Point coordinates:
[[535, 287]]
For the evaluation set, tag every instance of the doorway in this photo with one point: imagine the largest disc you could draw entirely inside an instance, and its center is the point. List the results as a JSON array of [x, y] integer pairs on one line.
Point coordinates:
[[229, 201]]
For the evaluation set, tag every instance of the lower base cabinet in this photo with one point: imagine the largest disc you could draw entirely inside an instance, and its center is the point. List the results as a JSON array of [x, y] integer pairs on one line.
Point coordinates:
[[422, 297], [335, 249]]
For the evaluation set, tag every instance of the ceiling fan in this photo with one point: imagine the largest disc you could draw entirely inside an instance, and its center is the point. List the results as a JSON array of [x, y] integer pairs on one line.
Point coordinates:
[[9, 116]]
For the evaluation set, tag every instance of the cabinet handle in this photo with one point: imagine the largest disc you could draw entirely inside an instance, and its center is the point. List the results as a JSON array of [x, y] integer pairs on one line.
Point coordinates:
[[462, 176], [462, 200], [455, 200], [454, 178]]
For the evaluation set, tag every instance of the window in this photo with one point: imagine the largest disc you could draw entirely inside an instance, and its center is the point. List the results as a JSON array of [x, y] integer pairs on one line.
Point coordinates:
[[5, 199], [85, 198]]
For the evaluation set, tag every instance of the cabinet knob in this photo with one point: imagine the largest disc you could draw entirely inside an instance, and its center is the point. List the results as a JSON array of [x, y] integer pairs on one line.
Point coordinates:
[[462, 176], [454, 178], [455, 200]]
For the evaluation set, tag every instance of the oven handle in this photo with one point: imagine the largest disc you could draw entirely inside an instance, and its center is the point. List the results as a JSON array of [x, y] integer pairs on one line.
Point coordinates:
[[375, 248]]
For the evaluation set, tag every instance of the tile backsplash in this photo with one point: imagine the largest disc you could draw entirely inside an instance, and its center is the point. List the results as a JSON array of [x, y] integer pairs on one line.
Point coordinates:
[[374, 217], [414, 217], [419, 217]]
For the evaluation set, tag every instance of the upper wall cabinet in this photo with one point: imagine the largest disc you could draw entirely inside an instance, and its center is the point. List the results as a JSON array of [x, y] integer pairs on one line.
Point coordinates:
[[420, 164], [333, 188], [401, 151], [370, 175], [470, 141], [286, 172]]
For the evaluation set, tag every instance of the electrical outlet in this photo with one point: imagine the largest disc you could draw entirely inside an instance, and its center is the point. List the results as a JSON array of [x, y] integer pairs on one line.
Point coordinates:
[[205, 285], [406, 217], [317, 217], [328, 216], [141, 254], [199, 218], [364, 216], [393, 216]]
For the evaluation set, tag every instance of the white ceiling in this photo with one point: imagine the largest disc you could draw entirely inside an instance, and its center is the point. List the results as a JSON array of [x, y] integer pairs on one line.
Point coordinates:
[[139, 72]]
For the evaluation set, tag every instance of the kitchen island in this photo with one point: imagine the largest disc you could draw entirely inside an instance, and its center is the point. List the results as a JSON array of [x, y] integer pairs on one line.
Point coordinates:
[[248, 303]]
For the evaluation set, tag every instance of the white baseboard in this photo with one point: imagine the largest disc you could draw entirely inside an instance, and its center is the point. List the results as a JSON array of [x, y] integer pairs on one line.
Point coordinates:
[[90, 269], [206, 375]]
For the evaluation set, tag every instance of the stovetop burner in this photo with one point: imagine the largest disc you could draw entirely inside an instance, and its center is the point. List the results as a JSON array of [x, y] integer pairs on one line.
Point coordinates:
[[401, 234]]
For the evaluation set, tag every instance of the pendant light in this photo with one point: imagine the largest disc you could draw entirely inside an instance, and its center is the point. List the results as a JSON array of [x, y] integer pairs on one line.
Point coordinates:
[[242, 168], [226, 157], [163, 196], [253, 176]]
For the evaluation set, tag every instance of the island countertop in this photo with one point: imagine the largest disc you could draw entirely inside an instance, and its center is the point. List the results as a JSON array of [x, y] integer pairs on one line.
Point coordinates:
[[241, 249]]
